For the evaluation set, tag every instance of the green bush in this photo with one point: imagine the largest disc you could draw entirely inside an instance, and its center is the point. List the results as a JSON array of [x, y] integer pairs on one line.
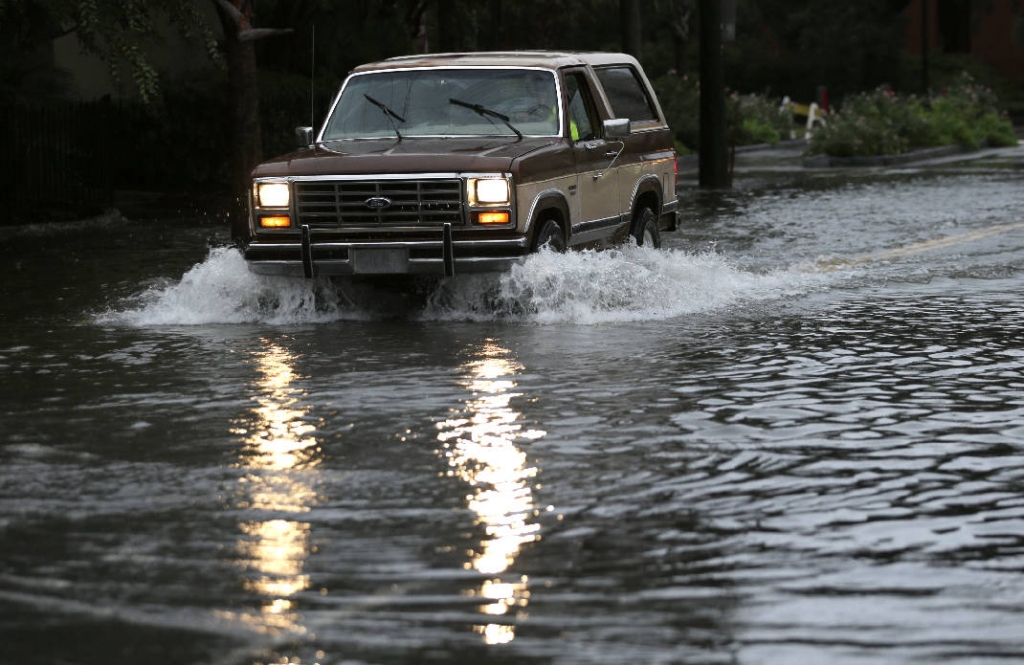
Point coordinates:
[[752, 118], [882, 123], [680, 101], [872, 123], [756, 119]]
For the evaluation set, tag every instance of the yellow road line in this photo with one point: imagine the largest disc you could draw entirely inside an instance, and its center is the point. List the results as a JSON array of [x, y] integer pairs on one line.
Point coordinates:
[[920, 247]]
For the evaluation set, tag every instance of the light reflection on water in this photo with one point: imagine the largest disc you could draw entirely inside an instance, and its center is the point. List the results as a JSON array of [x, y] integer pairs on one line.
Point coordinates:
[[479, 442], [277, 453]]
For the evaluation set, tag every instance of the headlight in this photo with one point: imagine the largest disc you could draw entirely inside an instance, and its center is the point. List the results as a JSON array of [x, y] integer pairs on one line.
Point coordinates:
[[272, 195], [489, 191]]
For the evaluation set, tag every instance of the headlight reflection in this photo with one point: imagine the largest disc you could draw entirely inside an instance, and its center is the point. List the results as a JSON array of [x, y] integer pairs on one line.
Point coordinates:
[[479, 443], [278, 452]]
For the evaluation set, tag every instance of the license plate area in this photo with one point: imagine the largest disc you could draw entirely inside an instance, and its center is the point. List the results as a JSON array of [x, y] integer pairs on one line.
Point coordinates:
[[380, 261]]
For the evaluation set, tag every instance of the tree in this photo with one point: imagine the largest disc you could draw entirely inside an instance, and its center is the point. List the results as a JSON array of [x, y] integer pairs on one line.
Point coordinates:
[[792, 46], [236, 18], [632, 35], [118, 33], [681, 10], [27, 73]]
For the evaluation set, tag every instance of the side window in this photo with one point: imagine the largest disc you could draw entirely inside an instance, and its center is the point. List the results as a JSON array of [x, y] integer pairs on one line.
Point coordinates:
[[626, 94], [582, 118]]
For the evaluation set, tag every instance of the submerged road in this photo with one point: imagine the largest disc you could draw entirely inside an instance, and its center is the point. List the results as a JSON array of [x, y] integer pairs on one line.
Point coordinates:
[[793, 435]]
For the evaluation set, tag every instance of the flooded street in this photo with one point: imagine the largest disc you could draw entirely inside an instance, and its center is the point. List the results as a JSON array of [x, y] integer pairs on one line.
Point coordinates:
[[795, 434]]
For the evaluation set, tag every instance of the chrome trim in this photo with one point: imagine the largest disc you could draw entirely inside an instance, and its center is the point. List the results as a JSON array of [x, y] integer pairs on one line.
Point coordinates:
[[663, 155], [335, 268], [413, 266], [430, 175], [598, 224], [466, 245], [340, 204]]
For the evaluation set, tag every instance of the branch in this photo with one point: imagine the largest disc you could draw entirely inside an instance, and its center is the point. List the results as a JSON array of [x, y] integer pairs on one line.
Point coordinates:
[[241, 21], [230, 10], [259, 33]]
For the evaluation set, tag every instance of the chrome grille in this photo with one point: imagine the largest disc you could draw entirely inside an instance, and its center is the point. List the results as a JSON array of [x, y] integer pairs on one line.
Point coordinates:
[[413, 202]]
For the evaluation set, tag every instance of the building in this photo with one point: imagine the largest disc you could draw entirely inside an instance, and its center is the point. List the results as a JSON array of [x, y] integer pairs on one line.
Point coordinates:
[[992, 32]]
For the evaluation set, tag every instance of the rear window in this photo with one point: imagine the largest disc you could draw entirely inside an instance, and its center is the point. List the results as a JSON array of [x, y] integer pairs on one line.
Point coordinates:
[[626, 94]]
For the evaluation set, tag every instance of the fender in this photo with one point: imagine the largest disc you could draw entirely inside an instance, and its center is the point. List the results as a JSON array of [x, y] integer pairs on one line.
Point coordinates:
[[647, 183], [549, 198]]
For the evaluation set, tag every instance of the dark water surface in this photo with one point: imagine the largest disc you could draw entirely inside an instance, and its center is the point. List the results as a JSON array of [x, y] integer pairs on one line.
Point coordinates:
[[793, 435]]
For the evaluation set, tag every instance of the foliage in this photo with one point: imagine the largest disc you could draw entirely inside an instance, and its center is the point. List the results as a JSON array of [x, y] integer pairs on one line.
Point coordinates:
[[789, 46], [26, 73], [756, 119], [117, 31], [286, 103], [793, 46], [680, 101], [180, 143], [883, 123], [753, 118]]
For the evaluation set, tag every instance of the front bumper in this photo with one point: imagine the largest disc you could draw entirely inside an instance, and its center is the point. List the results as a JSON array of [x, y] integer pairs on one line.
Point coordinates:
[[443, 256]]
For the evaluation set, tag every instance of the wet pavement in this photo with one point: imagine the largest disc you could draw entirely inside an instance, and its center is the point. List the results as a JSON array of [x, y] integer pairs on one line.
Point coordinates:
[[795, 434], [789, 156]]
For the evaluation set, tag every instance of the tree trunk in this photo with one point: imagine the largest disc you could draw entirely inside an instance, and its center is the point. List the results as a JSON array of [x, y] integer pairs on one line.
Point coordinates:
[[247, 148], [713, 163], [243, 95]]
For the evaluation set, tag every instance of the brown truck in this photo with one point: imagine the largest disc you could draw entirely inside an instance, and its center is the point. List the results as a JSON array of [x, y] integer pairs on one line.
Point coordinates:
[[467, 162]]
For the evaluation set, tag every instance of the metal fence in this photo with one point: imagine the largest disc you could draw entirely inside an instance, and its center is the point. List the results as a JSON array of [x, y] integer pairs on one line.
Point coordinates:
[[69, 156], [55, 156]]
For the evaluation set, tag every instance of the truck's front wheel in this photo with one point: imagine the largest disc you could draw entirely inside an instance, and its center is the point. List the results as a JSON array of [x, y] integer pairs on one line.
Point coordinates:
[[550, 235]]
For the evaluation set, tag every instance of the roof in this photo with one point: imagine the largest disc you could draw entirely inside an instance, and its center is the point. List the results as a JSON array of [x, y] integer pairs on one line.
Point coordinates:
[[544, 59]]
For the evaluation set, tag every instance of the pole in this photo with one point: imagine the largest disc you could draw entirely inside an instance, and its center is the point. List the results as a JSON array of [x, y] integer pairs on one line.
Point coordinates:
[[925, 85], [713, 153]]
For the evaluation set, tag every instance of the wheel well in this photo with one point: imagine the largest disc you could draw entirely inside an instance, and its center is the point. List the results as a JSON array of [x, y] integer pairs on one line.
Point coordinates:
[[550, 209], [649, 199]]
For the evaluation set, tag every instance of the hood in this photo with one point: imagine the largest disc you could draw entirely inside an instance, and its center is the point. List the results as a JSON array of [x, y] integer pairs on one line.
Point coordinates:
[[410, 155]]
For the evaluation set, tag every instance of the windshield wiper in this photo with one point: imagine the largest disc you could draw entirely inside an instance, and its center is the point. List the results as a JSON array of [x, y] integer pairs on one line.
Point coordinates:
[[483, 110], [391, 115]]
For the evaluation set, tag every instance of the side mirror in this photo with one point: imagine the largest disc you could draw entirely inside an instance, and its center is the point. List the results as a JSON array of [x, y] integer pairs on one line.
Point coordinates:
[[304, 136], [616, 128]]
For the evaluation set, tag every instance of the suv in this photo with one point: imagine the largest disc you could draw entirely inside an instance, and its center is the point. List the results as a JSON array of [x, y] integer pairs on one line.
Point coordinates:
[[467, 162]]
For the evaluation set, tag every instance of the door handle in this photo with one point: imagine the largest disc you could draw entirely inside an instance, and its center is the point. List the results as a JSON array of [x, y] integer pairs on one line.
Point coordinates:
[[611, 153]]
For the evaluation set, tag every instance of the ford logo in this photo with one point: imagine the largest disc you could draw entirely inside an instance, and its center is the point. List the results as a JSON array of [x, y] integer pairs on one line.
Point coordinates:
[[377, 202]]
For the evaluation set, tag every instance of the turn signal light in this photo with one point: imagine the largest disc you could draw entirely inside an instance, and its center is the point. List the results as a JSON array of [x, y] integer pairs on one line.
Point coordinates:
[[493, 217], [276, 222]]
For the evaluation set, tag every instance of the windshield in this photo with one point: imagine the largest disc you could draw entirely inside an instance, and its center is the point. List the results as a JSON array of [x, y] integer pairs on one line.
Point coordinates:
[[445, 102]]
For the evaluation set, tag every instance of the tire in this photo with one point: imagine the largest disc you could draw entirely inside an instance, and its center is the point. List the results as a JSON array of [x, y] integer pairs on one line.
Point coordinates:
[[550, 235], [645, 229]]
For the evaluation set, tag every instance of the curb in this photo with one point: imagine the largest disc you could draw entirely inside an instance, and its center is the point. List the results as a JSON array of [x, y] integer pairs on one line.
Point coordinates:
[[820, 161]]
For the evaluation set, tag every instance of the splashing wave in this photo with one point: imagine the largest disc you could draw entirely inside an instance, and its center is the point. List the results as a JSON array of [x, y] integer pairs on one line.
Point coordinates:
[[626, 284]]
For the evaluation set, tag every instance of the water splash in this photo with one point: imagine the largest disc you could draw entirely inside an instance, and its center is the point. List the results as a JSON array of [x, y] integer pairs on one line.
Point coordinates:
[[221, 289], [627, 284]]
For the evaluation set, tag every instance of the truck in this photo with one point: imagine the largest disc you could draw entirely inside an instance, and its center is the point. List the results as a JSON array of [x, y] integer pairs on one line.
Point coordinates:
[[442, 164]]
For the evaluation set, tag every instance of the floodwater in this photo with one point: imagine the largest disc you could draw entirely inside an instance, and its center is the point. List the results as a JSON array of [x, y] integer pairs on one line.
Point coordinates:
[[795, 434]]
